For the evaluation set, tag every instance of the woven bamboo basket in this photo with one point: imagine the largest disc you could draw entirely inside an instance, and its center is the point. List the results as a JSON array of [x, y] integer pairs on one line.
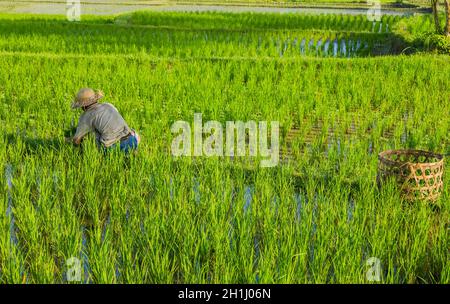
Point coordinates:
[[418, 173]]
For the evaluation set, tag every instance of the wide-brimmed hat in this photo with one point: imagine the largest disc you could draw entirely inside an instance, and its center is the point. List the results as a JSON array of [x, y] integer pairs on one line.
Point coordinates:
[[85, 97]]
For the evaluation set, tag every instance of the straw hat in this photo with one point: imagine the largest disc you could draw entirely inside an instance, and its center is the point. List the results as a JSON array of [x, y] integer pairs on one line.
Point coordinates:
[[85, 97]]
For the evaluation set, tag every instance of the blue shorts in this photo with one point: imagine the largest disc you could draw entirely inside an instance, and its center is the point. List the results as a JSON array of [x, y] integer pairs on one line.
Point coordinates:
[[131, 143]]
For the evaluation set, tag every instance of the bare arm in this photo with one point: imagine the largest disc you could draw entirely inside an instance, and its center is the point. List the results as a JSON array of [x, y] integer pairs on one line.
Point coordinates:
[[74, 140], [84, 127], [77, 140]]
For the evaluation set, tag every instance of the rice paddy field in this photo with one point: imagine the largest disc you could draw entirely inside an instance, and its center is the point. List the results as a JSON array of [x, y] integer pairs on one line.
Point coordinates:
[[341, 87]]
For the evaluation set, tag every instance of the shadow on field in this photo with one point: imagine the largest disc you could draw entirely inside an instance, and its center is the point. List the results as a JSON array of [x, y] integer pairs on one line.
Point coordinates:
[[35, 145]]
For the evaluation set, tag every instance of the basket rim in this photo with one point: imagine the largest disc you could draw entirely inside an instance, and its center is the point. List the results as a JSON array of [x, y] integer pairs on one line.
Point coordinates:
[[382, 157]]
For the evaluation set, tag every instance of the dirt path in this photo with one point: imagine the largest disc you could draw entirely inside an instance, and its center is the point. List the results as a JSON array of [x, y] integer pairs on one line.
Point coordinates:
[[104, 7]]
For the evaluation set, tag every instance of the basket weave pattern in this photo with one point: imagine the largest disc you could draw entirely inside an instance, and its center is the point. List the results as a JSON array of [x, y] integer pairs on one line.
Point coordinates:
[[418, 173]]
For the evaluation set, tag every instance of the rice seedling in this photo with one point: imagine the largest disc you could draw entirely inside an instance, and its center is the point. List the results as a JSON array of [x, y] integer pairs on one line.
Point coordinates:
[[153, 218]]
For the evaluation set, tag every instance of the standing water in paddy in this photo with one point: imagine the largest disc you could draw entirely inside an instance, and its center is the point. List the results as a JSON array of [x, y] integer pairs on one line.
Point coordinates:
[[343, 48], [335, 48], [302, 46], [326, 46], [318, 46], [248, 195]]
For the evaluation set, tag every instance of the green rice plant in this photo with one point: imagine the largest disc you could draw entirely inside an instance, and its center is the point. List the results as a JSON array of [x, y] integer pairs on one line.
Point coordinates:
[[153, 218]]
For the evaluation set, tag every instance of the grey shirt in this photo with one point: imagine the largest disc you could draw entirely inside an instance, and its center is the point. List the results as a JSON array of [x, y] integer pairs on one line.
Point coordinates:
[[107, 123]]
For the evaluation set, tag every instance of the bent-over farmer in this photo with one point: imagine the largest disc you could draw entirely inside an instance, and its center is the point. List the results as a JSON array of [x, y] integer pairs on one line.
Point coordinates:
[[104, 120]]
